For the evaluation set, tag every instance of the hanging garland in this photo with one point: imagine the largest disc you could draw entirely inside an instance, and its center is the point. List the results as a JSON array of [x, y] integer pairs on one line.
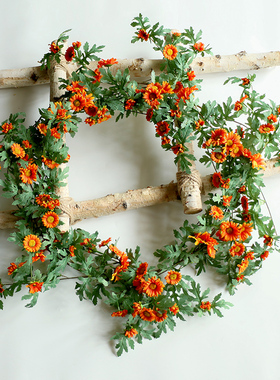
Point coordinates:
[[148, 298]]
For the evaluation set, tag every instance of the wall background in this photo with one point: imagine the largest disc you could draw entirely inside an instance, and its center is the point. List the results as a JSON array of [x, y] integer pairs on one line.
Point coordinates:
[[63, 338]]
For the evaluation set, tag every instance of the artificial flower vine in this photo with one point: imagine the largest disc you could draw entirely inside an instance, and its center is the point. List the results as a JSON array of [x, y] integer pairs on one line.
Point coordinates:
[[147, 298]]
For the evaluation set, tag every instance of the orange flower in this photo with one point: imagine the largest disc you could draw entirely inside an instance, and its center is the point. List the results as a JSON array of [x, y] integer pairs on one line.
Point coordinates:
[[205, 305], [199, 123], [245, 231], [226, 200], [249, 256], [166, 88], [54, 48], [205, 238], [165, 140], [177, 149], [229, 231], [257, 161], [174, 309], [199, 46], [137, 308], [244, 203], [191, 75], [129, 104], [35, 287], [272, 118], [147, 314], [218, 137], [75, 87], [152, 95], [264, 255], [139, 283], [218, 157], [76, 45], [6, 127], [245, 81], [266, 128], [70, 54], [143, 35], [12, 268], [42, 128], [170, 52], [160, 316], [131, 333], [216, 212], [49, 163], [26, 144], [38, 256], [121, 313], [72, 250], [78, 102], [243, 266], [232, 139], [149, 114], [107, 62], [216, 179], [268, 240], [104, 242], [142, 269], [162, 128], [237, 249], [98, 76], [31, 243], [50, 219], [173, 277], [55, 133], [153, 287], [17, 150], [29, 174]]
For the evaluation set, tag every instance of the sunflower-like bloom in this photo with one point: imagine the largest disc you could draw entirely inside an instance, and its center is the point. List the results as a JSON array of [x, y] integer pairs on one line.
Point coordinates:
[[29, 174], [243, 266], [142, 269], [218, 137], [257, 161], [237, 249], [70, 54], [160, 316], [50, 219], [216, 212], [229, 231], [31, 243], [162, 128], [147, 314], [205, 238], [170, 52], [143, 35], [217, 179], [54, 48], [267, 128], [173, 277], [18, 150], [245, 231], [218, 157], [152, 94], [78, 102], [35, 287], [107, 62], [153, 287], [42, 128], [177, 149], [268, 240]]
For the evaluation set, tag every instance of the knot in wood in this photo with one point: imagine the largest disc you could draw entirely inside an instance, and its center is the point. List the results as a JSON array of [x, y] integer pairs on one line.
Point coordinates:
[[189, 189]]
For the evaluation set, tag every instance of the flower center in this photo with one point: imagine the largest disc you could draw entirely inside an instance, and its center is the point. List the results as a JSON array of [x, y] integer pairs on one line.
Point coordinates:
[[229, 230], [153, 286], [28, 173], [169, 52], [173, 276], [50, 219], [77, 103], [32, 243]]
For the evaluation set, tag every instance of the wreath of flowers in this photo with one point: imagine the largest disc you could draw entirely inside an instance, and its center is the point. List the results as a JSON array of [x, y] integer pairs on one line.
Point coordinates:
[[148, 298]]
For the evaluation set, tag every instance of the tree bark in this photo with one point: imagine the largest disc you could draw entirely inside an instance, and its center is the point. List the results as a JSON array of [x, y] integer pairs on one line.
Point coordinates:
[[140, 69]]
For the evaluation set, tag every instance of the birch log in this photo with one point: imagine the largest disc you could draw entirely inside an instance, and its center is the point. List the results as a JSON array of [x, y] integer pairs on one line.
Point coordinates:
[[140, 69], [59, 71], [130, 200]]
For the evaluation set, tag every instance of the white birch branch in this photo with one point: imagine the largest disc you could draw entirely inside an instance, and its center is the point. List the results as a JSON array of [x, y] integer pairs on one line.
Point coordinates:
[[140, 68], [130, 200]]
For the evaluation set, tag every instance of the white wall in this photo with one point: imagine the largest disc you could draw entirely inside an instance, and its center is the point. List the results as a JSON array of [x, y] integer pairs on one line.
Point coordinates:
[[63, 338]]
